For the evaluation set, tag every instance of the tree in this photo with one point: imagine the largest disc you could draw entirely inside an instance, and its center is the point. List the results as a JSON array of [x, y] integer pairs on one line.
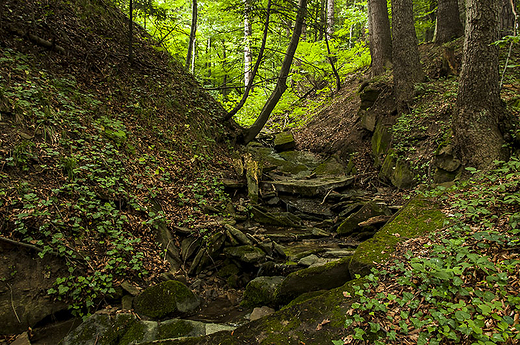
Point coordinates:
[[330, 19], [193, 32], [281, 83], [249, 84], [248, 56], [480, 122], [405, 53], [448, 21], [380, 38]]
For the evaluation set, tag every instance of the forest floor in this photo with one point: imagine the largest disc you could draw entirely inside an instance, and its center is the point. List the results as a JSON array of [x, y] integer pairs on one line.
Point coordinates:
[[90, 144]]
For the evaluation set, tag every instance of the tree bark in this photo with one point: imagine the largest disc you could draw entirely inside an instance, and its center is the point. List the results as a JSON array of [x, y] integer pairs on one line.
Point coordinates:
[[405, 53], [249, 85], [507, 17], [193, 32], [380, 38], [330, 18], [247, 44], [448, 24], [480, 120], [281, 84]]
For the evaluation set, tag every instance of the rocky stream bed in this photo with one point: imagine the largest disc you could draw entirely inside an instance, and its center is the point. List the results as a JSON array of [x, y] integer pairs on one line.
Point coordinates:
[[291, 234]]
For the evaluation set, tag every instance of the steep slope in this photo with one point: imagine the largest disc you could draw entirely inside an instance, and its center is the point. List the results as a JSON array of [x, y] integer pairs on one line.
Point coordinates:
[[96, 153]]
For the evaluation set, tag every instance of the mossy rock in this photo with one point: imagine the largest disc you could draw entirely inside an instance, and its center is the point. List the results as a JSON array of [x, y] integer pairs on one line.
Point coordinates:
[[323, 277], [101, 329], [247, 254], [139, 332], [310, 187], [284, 141], [397, 171], [369, 210], [261, 291], [331, 167], [294, 324], [164, 299], [381, 140], [418, 217], [175, 328]]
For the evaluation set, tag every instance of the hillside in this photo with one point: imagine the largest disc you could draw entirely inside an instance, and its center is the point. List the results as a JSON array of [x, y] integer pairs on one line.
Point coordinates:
[[96, 151], [128, 215]]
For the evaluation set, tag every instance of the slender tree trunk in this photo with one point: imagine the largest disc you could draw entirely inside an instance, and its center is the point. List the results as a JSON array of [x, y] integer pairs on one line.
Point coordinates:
[[193, 32], [507, 17], [380, 39], [405, 53], [281, 84], [480, 119], [330, 18], [224, 68], [249, 85], [321, 19], [448, 24], [131, 32], [332, 65], [247, 43]]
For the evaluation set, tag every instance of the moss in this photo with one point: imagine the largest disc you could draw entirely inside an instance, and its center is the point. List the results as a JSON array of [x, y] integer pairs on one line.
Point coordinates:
[[304, 297], [261, 291], [417, 218], [174, 329], [135, 333], [164, 299]]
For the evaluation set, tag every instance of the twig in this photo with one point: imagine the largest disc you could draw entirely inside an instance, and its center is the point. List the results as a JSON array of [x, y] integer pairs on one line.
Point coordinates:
[[325, 198], [12, 303], [38, 249]]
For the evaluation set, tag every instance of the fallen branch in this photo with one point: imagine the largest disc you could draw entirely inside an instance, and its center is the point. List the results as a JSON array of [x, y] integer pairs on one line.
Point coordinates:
[[21, 244], [36, 39]]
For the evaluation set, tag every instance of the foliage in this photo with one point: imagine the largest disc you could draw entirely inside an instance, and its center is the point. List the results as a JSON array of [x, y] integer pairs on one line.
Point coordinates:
[[82, 186], [457, 285]]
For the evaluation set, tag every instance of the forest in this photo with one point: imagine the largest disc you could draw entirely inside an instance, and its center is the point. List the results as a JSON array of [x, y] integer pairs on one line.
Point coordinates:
[[259, 172]]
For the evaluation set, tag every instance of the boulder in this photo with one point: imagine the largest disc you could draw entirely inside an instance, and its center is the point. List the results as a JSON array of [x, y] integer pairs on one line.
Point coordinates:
[[397, 171], [368, 119], [167, 298], [238, 235], [328, 276], [284, 141], [101, 329], [381, 140], [125, 328], [259, 313], [369, 210], [261, 291], [368, 97], [247, 254]]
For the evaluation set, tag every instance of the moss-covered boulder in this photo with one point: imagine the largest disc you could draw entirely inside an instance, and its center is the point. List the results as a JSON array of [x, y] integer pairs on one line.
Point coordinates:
[[369, 210], [261, 291], [167, 298], [397, 171], [284, 141], [381, 140], [330, 167], [101, 329], [323, 277], [247, 254], [417, 218]]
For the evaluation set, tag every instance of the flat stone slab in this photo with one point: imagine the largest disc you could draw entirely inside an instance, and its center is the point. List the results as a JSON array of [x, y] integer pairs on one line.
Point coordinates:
[[309, 187]]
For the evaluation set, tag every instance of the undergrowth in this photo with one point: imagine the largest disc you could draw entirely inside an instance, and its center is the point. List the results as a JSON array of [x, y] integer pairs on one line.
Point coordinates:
[[460, 284]]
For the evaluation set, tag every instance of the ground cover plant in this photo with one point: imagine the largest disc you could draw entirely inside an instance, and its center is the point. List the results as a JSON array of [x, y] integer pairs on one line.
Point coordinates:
[[458, 285]]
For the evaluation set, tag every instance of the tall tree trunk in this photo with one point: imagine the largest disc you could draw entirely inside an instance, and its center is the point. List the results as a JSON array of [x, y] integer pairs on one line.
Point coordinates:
[[131, 32], [249, 85], [448, 24], [480, 119], [193, 32], [330, 18], [380, 38], [247, 43], [224, 68], [281, 84], [405, 53], [507, 17]]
